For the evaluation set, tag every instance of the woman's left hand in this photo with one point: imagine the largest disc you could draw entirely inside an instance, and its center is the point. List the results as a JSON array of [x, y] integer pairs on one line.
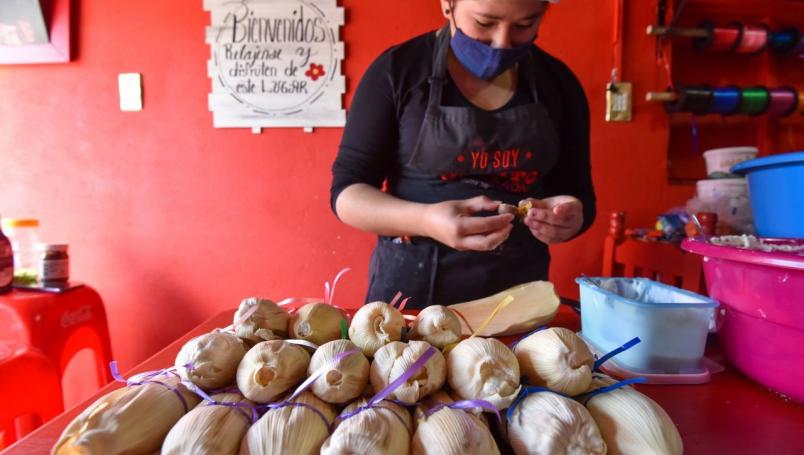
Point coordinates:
[[554, 219]]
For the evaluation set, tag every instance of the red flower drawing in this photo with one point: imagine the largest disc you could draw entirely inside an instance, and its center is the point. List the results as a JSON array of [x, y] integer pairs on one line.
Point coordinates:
[[315, 71]]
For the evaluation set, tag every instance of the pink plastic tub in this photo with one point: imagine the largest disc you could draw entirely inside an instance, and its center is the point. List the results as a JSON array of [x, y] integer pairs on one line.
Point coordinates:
[[761, 297]]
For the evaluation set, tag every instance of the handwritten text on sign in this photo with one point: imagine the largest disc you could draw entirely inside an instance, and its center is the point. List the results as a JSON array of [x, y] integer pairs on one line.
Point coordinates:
[[275, 63]]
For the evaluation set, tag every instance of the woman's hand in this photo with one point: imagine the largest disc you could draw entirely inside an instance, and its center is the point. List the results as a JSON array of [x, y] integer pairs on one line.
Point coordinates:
[[453, 223], [554, 219]]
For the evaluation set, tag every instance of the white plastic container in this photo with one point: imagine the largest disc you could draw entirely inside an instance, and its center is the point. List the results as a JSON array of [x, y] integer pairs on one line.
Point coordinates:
[[671, 323], [23, 234], [711, 190], [722, 159]]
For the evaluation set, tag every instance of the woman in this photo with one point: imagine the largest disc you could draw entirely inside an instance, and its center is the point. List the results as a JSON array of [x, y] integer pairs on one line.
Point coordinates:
[[454, 123]]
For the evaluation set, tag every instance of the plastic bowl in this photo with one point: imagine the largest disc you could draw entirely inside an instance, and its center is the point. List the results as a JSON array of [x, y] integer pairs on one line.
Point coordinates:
[[711, 190], [722, 159], [762, 305], [776, 191], [671, 323]]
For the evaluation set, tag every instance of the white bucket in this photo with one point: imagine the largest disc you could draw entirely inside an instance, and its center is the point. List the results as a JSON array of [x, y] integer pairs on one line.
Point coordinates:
[[722, 159], [710, 190]]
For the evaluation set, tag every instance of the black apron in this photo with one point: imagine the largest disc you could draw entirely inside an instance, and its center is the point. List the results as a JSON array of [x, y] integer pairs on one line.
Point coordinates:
[[463, 149]]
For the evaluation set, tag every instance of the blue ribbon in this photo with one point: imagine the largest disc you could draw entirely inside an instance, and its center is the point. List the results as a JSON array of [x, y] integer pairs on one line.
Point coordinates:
[[633, 342], [516, 342], [588, 396]]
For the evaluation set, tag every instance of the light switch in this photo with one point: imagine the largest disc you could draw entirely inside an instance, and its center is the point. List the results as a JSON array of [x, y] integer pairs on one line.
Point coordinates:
[[130, 85]]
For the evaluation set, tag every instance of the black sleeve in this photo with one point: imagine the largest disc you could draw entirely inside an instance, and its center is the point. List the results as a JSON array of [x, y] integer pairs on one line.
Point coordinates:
[[572, 174], [370, 137]]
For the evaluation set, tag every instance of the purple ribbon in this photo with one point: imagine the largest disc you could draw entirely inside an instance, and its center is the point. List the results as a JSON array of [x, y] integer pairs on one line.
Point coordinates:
[[463, 405], [382, 394], [146, 379], [306, 385]]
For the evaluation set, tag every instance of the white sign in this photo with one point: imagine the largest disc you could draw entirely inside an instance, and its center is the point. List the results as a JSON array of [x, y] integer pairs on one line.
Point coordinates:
[[275, 63]]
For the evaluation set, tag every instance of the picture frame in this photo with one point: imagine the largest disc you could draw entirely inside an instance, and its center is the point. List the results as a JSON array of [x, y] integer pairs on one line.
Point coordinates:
[[56, 51]]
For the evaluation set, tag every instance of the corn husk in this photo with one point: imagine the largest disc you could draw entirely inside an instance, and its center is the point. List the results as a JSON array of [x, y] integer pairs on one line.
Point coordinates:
[[343, 381], [210, 429], [393, 359], [375, 325], [269, 322], [547, 423], [483, 369], [437, 325], [556, 358], [317, 323], [131, 420], [214, 358], [384, 429], [631, 423], [270, 368], [451, 432], [292, 430]]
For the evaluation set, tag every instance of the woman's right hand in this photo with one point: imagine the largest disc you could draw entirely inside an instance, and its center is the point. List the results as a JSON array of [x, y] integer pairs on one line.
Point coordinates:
[[453, 223]]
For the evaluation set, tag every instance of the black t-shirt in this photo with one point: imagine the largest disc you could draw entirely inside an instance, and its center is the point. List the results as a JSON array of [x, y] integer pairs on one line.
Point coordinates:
[[388, 108]]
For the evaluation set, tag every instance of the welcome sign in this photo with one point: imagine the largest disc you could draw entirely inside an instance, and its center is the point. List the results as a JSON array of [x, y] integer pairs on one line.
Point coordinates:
[[275, 63]]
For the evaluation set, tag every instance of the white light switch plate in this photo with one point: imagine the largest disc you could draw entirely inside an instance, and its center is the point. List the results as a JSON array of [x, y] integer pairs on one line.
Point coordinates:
[[130, 85]]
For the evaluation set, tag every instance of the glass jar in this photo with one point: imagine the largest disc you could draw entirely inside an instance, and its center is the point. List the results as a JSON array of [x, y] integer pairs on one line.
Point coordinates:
[[23, 234], [54, 262]]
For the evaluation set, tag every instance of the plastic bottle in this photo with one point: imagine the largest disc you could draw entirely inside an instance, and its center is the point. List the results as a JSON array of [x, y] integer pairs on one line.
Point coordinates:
[[6, 263], [24, 238]]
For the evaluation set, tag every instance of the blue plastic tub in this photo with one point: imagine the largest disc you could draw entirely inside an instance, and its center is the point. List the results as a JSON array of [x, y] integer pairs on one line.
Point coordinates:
[[776, 190], [671, 323]]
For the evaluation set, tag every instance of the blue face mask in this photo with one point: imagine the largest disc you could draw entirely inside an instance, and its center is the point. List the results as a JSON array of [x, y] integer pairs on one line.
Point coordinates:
[[482, 60]]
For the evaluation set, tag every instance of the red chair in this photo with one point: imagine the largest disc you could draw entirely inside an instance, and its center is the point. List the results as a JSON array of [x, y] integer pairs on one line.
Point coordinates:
[[59, 325], [29, 387], [660, 261]]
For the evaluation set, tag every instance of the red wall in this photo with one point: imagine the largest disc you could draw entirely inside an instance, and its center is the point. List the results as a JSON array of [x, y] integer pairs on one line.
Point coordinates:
[[173, 220]]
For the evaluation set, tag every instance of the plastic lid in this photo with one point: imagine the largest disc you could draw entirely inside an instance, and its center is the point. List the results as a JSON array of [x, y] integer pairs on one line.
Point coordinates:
[[52, 246], [742, 149], [20, 222], [768, 161]]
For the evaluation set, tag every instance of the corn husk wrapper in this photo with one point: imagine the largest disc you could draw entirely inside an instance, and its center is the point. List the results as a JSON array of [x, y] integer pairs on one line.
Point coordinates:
[[548, 423], [343, 381], [631, 423], [556, 358], [270, 368], [317, 323], [437, 325], [375, 325], [483, 369], [290, 430], [131, 420], [383, 429], [210, 429], [268, 322], [214, 358], [393, 359], [451, 432]]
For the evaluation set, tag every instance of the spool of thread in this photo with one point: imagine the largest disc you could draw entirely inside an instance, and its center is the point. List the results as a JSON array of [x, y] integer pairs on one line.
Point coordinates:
[[696, 99], [783, 101], [754, 39], [720, 39], [785, 41], [726, 100], [800, 107], [754, 100], [799, 48]]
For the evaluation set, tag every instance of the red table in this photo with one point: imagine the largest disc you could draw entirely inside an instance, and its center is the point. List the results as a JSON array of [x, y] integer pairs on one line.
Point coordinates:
[[729, 415]]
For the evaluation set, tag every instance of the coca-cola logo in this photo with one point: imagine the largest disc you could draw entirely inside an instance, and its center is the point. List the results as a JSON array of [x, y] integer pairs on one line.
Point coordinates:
[[77, 316]]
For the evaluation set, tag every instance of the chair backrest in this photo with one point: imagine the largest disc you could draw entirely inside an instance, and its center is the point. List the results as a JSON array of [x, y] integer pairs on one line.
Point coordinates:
[[660, 261]]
